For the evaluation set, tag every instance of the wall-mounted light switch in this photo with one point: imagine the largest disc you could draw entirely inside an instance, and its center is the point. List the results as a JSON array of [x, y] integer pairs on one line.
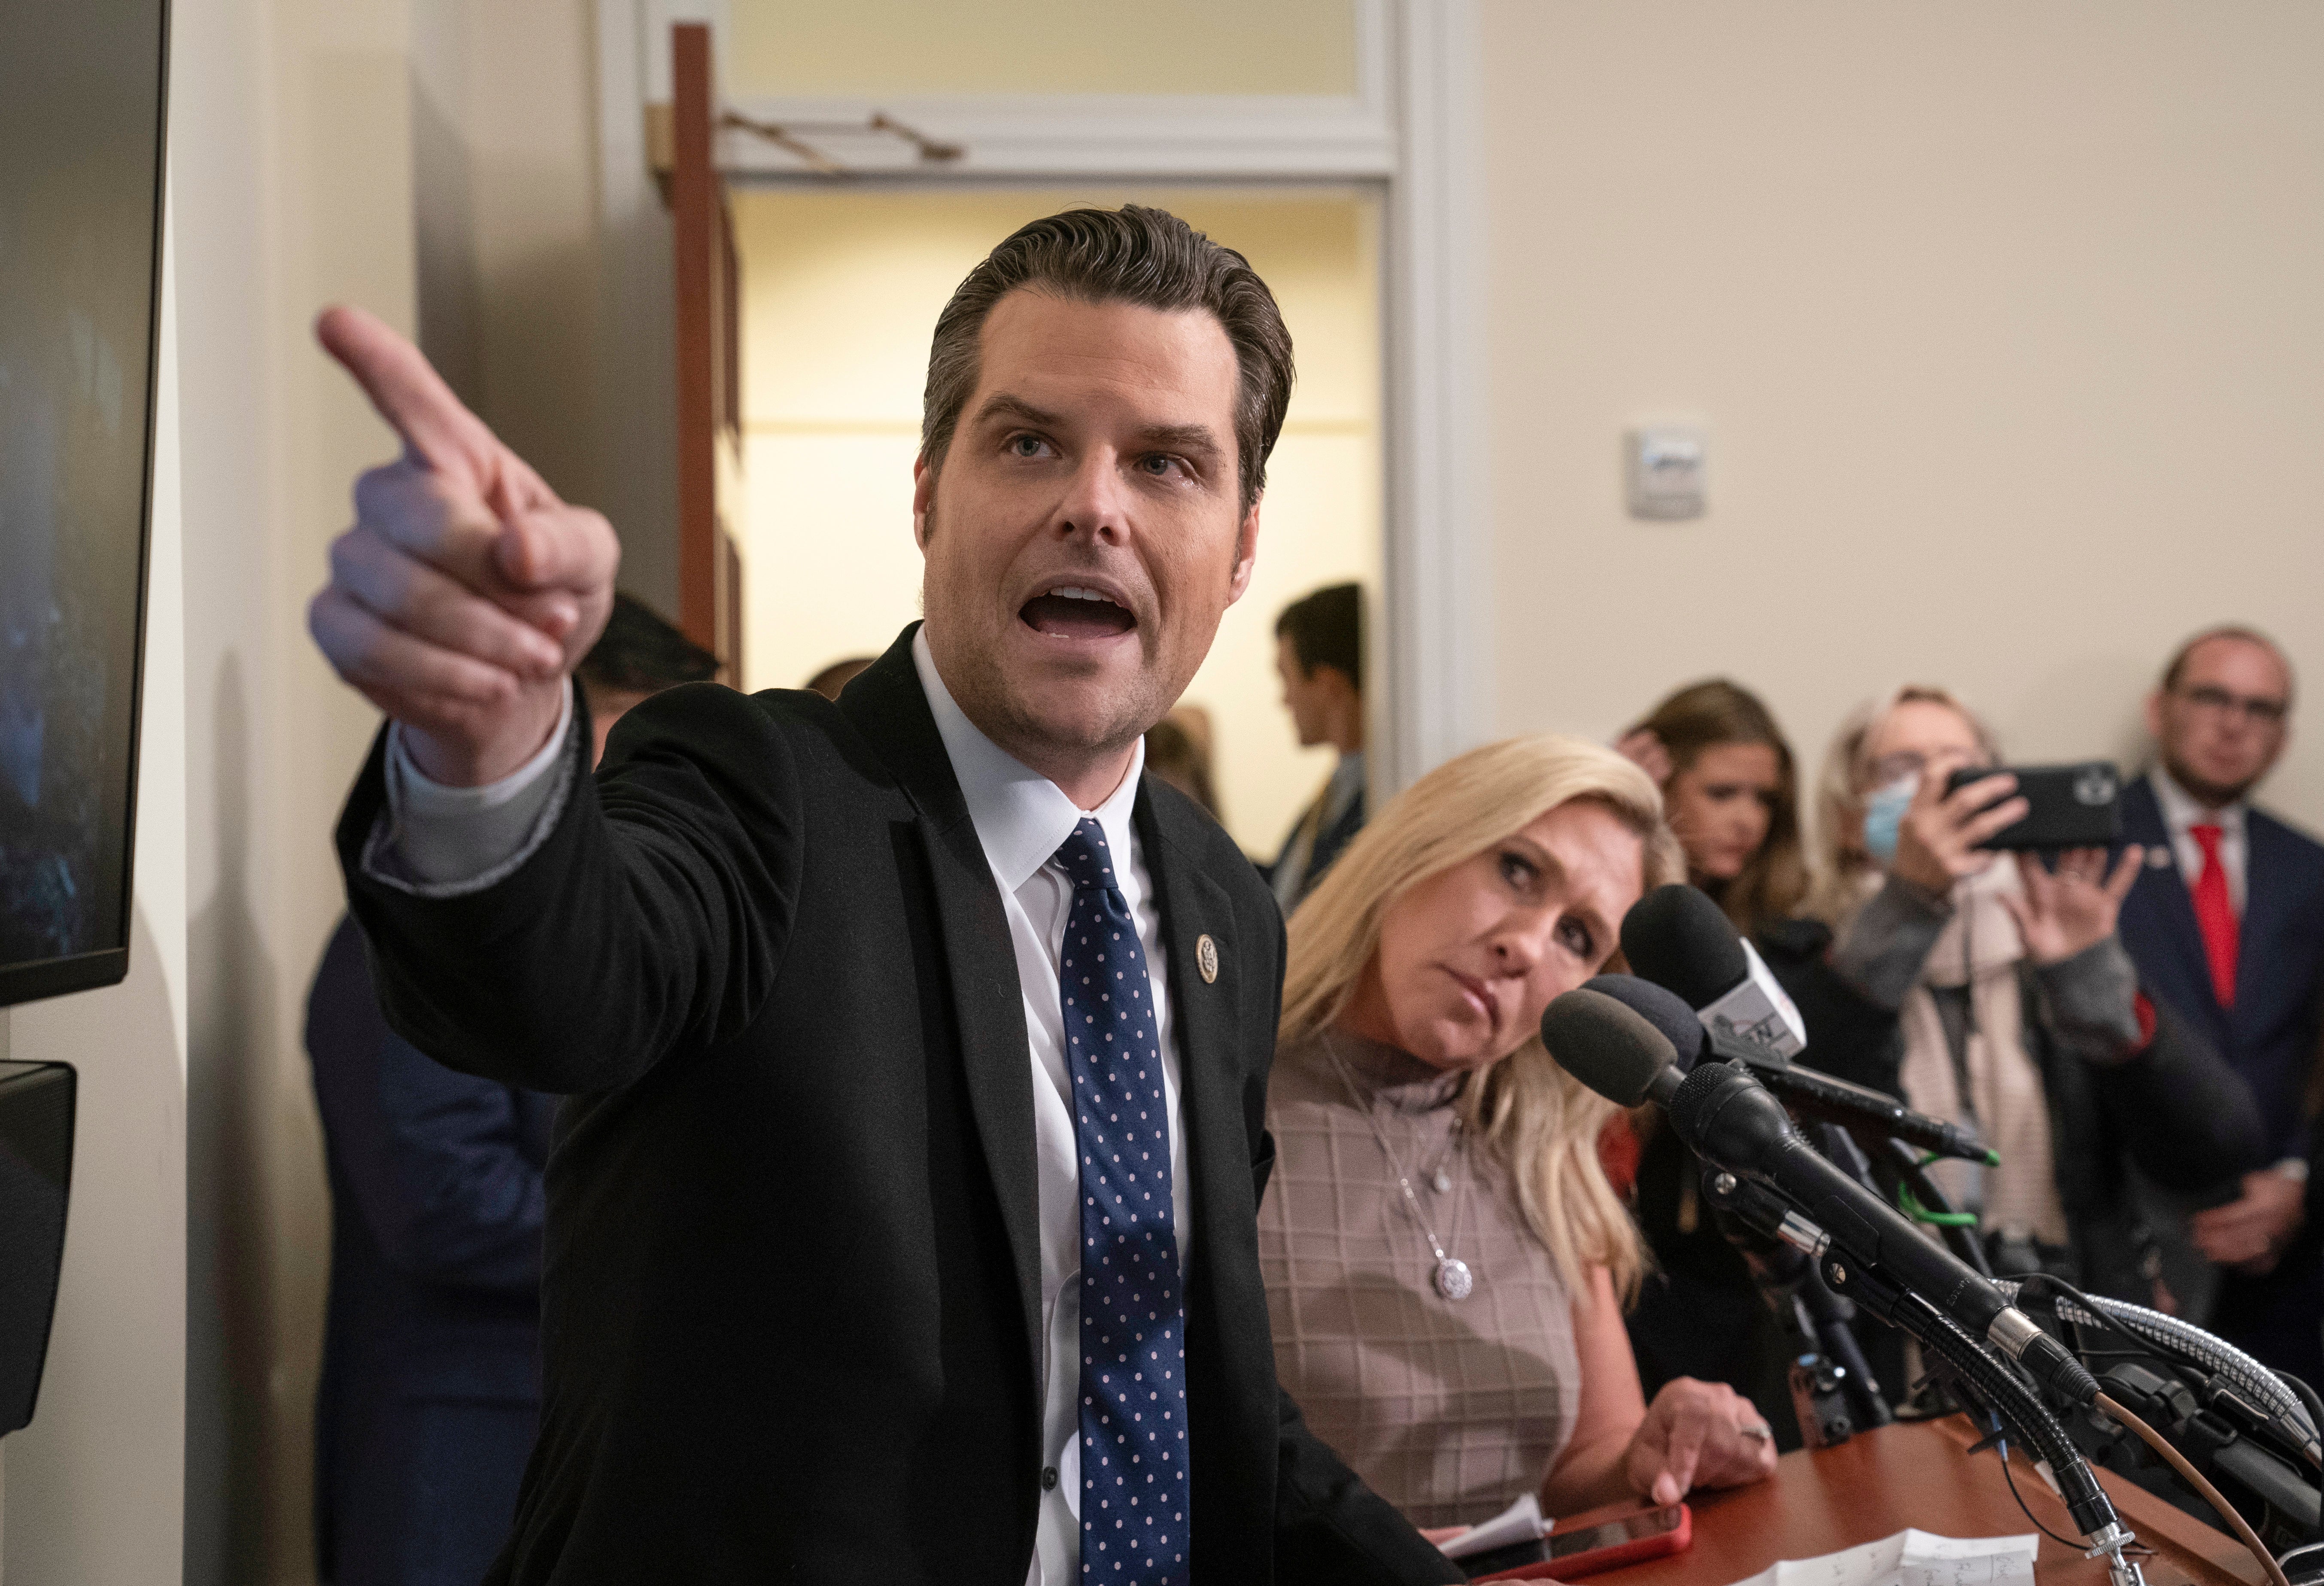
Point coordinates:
[[1667, 471]]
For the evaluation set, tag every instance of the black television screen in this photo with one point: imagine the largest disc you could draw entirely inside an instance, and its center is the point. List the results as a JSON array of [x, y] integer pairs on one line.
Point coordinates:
[[82, 126]]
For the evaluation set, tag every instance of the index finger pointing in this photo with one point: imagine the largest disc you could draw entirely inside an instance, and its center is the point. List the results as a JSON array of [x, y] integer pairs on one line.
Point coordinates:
[[409, 393], [1683, 1452]]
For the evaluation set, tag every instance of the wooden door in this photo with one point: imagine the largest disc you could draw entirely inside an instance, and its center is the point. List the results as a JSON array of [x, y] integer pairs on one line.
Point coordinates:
[[709, 363]]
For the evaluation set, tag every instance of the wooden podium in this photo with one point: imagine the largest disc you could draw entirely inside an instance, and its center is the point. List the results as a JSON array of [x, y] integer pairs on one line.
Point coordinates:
[[1922, 1474]]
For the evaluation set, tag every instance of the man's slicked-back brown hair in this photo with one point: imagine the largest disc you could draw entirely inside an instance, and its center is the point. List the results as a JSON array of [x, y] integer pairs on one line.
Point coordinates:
[[1133, 254]]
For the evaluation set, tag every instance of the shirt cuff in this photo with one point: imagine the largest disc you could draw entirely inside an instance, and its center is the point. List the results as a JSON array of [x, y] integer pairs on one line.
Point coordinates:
[[2095, 994], [434, 840]]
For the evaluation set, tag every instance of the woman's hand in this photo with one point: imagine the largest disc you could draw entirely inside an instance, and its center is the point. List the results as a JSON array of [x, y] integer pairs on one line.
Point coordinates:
[[1697, 1434], [1937, 840], [1644, 750], [2074, 908]]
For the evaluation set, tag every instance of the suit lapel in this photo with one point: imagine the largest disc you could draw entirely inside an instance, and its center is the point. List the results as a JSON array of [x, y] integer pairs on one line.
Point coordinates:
[[2266, 905], [1209, 1024], [887, 706], [2173, 907]]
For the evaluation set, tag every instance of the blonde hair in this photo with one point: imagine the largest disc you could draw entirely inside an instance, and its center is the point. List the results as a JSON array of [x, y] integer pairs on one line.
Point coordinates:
[[1538, 1121], [1841, 860]]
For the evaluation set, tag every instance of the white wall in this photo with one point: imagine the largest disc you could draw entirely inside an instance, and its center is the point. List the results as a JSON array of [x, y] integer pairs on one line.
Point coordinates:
[[292, 129], [2005, 321], [95, 1485]]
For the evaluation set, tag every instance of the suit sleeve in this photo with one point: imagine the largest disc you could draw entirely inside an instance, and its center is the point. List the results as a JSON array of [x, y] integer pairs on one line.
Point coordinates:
[[434, 1159], [1332, 1530], [652, 917], [2183, 1115]]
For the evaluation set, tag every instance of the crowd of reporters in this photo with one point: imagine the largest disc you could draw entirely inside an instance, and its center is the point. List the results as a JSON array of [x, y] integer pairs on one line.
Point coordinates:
[[1485, 1282]]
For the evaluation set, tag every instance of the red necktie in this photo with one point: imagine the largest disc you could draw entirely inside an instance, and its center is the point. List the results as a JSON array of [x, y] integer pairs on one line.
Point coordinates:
[[2215, 912]]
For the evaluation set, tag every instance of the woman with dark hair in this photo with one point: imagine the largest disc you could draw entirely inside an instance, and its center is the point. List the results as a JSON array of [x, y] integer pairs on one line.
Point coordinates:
[[1731, 795]]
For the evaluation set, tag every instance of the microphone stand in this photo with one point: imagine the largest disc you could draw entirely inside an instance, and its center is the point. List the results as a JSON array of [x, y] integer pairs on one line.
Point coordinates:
[[2202, 1441], [1982, 1375], [1991, 1384], [1834, 1389], [1960, 1237]]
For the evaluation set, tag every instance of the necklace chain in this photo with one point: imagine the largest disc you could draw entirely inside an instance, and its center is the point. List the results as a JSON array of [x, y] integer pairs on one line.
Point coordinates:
[[1453, 1275]]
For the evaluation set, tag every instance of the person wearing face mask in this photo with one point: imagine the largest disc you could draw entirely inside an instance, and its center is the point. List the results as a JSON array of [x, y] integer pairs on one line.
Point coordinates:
[[2012, 1004], [1441, 1252]]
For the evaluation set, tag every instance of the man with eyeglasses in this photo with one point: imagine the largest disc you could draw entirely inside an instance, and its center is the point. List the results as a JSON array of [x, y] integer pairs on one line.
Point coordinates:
[[2227, 925]]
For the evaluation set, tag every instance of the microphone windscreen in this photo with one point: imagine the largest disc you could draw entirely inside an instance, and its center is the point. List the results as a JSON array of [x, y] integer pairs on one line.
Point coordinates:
[[1606, 1046], [1678, 938], [1666, 1010], [1699, 1096]]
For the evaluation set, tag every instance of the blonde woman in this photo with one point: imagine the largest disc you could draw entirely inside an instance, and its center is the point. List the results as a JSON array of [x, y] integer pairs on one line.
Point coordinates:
[[1442, 1253]]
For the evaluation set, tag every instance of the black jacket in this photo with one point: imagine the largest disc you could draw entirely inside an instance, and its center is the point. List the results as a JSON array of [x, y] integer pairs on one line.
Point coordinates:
[[430, 1391], [791, 1313]]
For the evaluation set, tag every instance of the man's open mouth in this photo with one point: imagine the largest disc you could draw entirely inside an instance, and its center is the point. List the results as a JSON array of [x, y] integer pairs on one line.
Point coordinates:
[[1070, 612]]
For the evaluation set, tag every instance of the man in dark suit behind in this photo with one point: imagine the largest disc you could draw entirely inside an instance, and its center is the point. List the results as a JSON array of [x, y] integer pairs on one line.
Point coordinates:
[[1319, 655], [431, 1393], [2227, 925], [830, 1293]]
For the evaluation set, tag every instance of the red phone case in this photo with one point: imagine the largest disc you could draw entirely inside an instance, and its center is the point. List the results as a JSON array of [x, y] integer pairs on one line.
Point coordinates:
[[1662, 1545]]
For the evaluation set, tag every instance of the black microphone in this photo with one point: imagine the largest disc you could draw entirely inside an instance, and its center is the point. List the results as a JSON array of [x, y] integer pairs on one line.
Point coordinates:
[[1732, 1121], [1613, 1049], [1678, 938], [1808, 1089]]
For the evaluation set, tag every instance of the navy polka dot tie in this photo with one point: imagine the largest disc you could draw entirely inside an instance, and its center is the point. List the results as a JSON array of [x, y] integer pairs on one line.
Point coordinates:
[[1133, 1420]]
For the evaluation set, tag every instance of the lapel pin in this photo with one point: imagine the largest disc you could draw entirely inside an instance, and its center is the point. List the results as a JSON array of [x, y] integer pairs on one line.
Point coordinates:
[[2158, 857], [1206, 957]]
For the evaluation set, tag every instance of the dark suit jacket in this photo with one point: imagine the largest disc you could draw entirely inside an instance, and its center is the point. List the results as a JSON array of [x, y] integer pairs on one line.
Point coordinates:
[[430, 1391], [792, 1298], [2271, 1036], [1329, 843]]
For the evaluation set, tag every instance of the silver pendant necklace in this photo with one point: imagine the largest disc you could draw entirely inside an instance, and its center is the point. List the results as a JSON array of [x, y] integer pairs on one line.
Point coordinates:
[[1453, 1279]]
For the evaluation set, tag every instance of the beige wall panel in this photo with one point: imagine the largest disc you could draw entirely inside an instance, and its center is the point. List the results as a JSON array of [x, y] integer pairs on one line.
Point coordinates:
[[2005, 321], [842, 292], [876, 47], [846, 577]]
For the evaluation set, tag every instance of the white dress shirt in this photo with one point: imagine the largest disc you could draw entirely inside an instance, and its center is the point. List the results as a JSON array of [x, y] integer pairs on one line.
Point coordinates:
[[442, 841], [2182, 810]]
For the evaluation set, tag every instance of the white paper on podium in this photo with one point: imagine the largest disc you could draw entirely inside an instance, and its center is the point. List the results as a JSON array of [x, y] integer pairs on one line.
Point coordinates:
[[1912, 1558], [1520, 1522]]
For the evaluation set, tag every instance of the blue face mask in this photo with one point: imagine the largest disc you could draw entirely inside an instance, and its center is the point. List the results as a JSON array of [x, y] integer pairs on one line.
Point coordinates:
[[1884, 814]]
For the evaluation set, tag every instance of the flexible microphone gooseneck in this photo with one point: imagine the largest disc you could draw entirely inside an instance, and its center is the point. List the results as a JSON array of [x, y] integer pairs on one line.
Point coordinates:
[[1678, 939], [1804, 1090], [1731, 1120]]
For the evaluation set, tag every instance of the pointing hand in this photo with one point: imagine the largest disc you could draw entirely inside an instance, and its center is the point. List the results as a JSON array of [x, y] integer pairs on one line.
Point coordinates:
[[466, 591]]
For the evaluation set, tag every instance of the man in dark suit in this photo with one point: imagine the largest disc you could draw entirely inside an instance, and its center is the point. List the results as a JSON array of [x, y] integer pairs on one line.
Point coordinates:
[[1319, 655], [875, 1252], [431, 1394], [2227, 925]]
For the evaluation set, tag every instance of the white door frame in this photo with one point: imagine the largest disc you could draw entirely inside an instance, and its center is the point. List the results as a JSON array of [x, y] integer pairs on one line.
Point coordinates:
[[1409, 133]]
